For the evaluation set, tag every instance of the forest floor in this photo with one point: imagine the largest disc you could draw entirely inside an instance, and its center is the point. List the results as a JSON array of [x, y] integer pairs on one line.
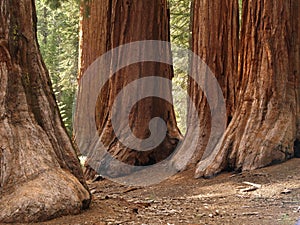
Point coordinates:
[[182, 199]]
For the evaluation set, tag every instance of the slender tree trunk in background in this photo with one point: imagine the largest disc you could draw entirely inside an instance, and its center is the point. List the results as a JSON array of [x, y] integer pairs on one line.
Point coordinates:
[[265, 126], [215, 38], [40, 175], [108, 25]]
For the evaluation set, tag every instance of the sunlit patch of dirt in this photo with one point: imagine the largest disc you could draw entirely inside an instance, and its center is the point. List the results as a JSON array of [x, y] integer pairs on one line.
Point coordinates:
[[226, 199]]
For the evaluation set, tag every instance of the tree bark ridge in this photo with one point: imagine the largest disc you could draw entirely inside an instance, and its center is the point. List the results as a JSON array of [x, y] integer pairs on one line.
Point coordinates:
[[119, 23], [40, 175], [264, 127]]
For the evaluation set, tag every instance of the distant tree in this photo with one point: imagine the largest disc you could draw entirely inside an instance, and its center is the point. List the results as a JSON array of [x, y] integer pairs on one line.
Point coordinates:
[[40, 175], [58, 39], [265, 127], [107, 25], [180, 36], [180, 13]]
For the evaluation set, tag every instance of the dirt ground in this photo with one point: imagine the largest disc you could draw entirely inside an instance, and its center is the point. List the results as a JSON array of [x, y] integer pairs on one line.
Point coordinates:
[[185, 200]]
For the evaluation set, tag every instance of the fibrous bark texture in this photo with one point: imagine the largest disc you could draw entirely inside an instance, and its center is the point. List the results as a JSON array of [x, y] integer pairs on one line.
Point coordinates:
[[265, 126], [111, 24], [215, 38], [40, 175]]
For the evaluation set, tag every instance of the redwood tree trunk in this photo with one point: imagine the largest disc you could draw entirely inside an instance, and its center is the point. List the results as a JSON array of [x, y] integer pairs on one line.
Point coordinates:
[[215, 38], [265, 125], [108, 25], [40, 175]]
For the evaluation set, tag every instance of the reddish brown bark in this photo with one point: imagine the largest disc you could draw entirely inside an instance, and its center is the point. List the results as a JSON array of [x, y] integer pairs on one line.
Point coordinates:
[[40, 175], [265, 125], [215, 38], [111, 24]]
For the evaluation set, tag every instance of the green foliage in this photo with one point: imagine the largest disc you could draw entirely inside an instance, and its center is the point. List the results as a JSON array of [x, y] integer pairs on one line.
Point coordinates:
[[55, 4], [180, 36], [240, 10], [58, 40], [180, 22]]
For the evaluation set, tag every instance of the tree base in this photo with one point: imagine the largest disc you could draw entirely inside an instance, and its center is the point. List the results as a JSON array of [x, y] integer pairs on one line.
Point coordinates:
[[51, 194]]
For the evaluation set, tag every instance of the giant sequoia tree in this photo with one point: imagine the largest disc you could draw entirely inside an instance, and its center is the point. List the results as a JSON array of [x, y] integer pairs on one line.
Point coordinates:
[[215, 36], [40, 176], [265, 126], [106, 25]]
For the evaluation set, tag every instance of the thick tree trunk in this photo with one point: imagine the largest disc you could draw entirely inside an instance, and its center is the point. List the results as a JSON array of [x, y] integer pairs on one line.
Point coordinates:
[[265, 125], [108, 25], [296, 67], [40, 175], [215, 38]]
